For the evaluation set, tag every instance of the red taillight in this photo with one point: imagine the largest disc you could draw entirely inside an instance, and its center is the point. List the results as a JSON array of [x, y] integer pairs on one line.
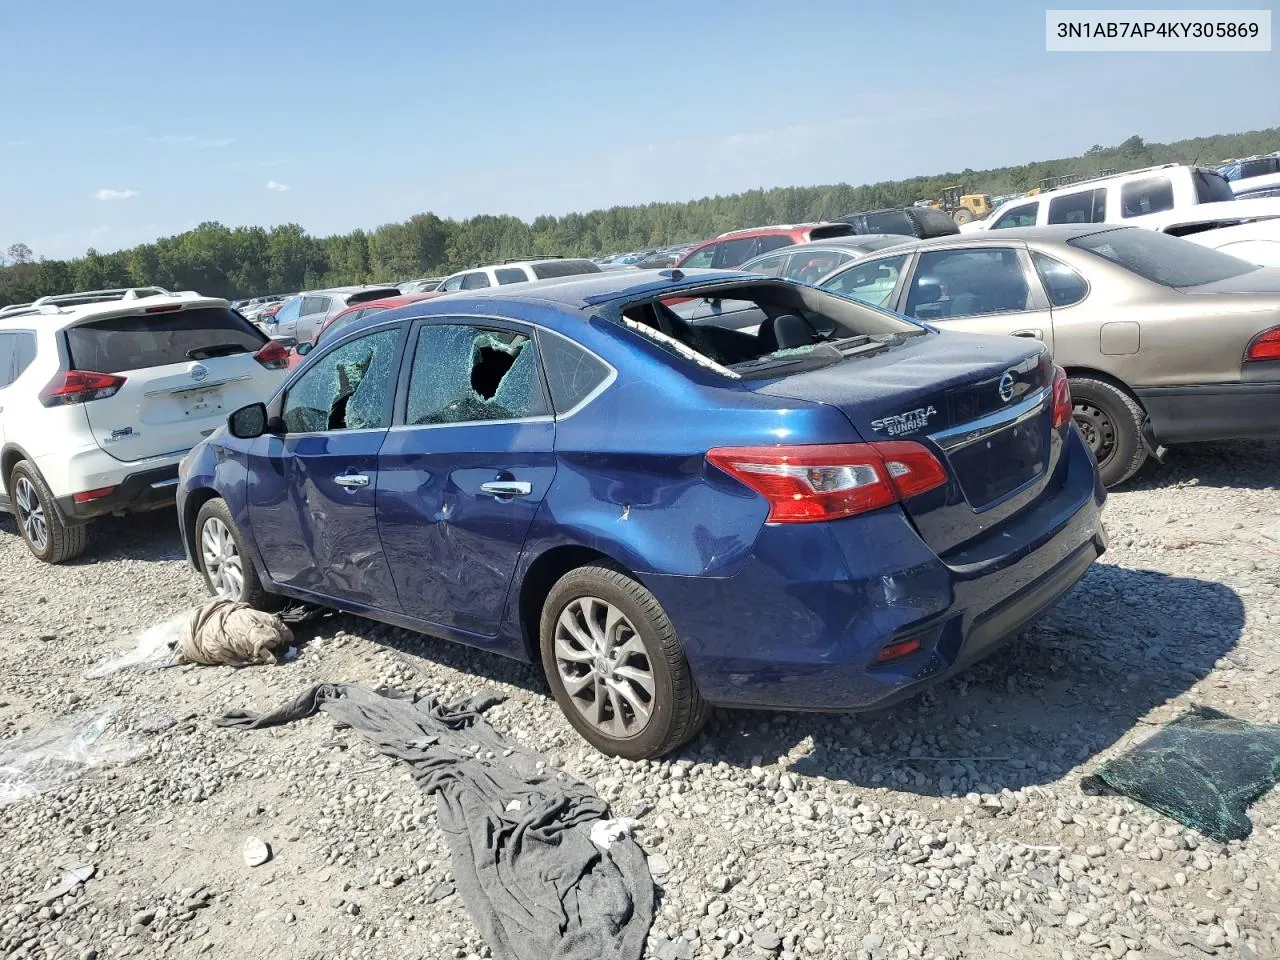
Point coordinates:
[[273, 355], [165, 308], [896, 651], [1061, 398], [805, 484], [86, 496], [79, 386], [1265, 346]]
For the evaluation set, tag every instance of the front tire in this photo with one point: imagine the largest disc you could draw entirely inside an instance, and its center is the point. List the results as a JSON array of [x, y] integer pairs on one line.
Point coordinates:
[[962, 216], [616, 667], [48, 536], [228, 570], [1111, 423]]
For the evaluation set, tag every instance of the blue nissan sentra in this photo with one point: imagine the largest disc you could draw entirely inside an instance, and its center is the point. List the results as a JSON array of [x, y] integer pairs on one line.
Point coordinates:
[[671, 489]]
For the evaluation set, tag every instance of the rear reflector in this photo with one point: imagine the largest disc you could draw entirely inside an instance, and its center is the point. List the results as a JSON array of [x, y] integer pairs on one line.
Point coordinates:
[[79, 386], [1265, 346], [87, 496], [896, 651], [1061, 398], [811, 483], [273, 355]]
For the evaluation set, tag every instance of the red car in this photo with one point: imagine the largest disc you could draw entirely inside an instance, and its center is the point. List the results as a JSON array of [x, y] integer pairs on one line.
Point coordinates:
[[735, 248], [340, 320]]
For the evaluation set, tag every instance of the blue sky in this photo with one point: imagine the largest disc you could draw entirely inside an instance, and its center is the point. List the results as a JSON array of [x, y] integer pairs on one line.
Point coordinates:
[[133, 119]]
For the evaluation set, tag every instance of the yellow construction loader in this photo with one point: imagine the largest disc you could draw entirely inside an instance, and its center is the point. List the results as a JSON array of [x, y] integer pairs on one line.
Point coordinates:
[[962, 207]]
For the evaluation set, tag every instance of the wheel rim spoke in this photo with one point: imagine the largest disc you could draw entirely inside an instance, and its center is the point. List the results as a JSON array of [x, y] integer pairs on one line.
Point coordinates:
[[603, 667], [31, 513], [222, 560]]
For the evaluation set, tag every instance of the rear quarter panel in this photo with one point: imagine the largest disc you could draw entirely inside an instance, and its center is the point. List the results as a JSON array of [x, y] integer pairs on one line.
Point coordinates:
[[1166, 337]]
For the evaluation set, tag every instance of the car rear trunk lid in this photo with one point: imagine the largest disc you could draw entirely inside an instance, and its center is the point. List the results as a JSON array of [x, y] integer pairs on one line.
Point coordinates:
[[983, 406], [185, 370]]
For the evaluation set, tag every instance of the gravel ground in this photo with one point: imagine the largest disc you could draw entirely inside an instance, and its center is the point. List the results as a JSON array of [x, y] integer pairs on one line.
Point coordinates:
[[953, 825]]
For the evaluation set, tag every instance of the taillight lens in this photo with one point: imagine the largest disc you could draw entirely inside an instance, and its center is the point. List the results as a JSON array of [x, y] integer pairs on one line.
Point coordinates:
[[273, 355], [1265, 346], [79, 386], [1061, 398], [807, 484]]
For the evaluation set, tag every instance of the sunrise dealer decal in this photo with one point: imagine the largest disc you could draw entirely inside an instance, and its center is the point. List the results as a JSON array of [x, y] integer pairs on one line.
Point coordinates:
[[907, 422]]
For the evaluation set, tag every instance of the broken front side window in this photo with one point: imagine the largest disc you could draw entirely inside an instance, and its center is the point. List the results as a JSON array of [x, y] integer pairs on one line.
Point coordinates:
[[463, 374], [347, 389]]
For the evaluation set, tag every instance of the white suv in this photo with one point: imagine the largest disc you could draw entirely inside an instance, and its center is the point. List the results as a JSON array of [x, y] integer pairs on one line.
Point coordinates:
[[101, 395], [1120, 198], [515, 271]]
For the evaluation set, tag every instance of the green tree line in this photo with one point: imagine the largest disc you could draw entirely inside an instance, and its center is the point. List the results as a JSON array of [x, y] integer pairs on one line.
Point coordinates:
[[249, 261]]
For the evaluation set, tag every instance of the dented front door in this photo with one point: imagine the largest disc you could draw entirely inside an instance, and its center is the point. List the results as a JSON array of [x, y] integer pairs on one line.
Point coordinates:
[[462, 473], [312, 487]]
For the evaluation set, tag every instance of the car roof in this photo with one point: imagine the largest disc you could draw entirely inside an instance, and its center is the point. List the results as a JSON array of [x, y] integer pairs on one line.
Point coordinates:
[[58, 316], [1059, 233], [387, 303], [579, 293]]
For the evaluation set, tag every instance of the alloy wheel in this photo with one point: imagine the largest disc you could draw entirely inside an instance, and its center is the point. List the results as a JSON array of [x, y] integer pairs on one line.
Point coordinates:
[[1097, 429], [222, 561], [31, 513], [604, 667]]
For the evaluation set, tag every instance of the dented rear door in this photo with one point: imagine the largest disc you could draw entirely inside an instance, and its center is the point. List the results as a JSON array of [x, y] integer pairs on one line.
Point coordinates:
[[463, 470]]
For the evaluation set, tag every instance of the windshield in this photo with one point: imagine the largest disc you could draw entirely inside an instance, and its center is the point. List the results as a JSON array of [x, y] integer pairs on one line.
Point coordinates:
[[1160, 258], [136, 342]]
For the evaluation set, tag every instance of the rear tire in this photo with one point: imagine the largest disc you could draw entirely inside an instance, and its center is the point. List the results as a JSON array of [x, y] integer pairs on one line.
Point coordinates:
[[48, 536], [962, 216], [227, 567], [1111, 423], [616, 667]]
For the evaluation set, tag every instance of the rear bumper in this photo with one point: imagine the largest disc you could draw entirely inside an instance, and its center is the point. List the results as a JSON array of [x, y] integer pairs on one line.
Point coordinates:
[[801, 625], [135, 493], [1220, 411]]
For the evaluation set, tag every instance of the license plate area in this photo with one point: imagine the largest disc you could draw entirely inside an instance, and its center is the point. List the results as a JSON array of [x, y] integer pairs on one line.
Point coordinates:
[[997, 464], [200, 403]]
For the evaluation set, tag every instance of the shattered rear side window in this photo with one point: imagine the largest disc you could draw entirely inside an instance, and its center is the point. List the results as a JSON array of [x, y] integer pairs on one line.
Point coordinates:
[[464, 374]]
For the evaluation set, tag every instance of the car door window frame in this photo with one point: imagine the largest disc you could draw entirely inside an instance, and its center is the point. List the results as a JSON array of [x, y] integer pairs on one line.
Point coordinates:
[[314, 313], [895, 298], [399, 418], [1035, 293], [318, 357]]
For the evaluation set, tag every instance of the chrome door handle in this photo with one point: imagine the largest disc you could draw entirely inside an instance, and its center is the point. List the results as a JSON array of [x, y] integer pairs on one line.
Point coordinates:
[[507, 488], [352, 481], [1036, 334]]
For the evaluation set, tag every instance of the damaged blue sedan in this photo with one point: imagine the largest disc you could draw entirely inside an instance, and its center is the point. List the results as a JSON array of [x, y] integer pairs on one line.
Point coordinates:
[[671, 490]]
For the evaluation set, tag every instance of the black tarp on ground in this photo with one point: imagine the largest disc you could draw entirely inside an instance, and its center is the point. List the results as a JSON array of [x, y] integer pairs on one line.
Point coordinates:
[[535, 884], [1203, 770]]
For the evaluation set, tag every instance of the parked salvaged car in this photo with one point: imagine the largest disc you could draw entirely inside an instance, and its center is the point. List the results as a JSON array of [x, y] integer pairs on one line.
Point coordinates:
[[301, 317], [810, 262], [738, 246], [101, 394], [1165, 341], [854, 506], [338, 322], [1116, 198]]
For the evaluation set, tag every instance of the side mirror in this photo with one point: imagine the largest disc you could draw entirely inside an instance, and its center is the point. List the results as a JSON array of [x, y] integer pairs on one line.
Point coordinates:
[[249, 422], [304, 348]]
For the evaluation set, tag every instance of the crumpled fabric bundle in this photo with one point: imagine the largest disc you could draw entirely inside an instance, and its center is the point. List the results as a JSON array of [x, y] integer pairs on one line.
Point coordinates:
[[1204, 770], [225, 632], [522, 836]]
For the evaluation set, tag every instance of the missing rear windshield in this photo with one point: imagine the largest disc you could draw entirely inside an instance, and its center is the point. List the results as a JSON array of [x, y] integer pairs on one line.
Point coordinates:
[[117, 344], [764, 330]]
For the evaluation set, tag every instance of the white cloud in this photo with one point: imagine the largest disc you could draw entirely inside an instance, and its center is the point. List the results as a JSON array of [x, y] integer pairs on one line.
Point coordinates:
[[200, 143], [277, 187], [107, 193]]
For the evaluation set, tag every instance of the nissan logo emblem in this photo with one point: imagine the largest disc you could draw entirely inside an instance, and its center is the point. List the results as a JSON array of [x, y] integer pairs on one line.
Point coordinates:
[[1006, 386], [200, 372]]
